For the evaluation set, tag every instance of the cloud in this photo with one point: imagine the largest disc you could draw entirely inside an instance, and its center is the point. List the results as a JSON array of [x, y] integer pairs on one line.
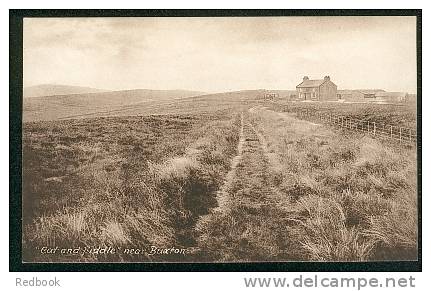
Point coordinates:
[[217, 54]]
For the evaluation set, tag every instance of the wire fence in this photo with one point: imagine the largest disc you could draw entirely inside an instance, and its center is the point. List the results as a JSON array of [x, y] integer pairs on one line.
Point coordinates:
[[383, 131]]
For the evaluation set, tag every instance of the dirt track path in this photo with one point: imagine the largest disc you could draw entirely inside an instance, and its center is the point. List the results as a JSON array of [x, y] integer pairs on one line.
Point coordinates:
[[223, 194], [249, 222], [249, 177], [253, 175]]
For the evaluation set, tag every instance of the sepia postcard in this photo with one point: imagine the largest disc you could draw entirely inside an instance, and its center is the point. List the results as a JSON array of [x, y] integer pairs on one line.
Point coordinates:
[[157, 139]]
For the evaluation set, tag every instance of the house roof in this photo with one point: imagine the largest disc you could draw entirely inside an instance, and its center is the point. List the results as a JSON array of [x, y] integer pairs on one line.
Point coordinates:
[[310, 83]]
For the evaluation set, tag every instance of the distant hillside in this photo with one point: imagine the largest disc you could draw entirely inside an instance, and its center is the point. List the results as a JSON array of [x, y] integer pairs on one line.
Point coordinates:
[[283, 93], [51, 90], [242, 95], [63, 106], [245, 95]]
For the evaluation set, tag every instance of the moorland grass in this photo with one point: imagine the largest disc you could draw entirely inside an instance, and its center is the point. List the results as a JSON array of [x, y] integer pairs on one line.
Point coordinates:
[[355, 198], [146, 185]]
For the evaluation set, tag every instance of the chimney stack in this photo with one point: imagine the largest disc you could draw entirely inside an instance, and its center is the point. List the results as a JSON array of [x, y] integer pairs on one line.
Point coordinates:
[[326, 78], [305, 78]]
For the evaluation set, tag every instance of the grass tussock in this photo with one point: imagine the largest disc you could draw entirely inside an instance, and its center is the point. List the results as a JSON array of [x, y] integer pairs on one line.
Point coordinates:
[[354, 198], [299, 192], [135, 191], [326, 235]]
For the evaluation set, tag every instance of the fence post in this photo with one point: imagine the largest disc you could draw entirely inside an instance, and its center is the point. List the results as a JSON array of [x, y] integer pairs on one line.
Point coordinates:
[[400, 134], [374, 129], [391, 132], [368, 126], [410, 135]]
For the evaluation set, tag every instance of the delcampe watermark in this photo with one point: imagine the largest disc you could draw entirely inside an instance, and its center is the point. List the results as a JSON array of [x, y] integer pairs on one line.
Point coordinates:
[[317, 281]]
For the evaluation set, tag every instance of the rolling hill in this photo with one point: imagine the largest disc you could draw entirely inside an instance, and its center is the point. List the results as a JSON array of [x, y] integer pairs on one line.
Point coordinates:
[[53, 89], [242, 95], [80, 105]]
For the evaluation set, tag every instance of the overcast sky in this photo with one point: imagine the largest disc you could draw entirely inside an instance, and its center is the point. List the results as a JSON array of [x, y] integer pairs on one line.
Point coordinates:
[[221, 54]]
